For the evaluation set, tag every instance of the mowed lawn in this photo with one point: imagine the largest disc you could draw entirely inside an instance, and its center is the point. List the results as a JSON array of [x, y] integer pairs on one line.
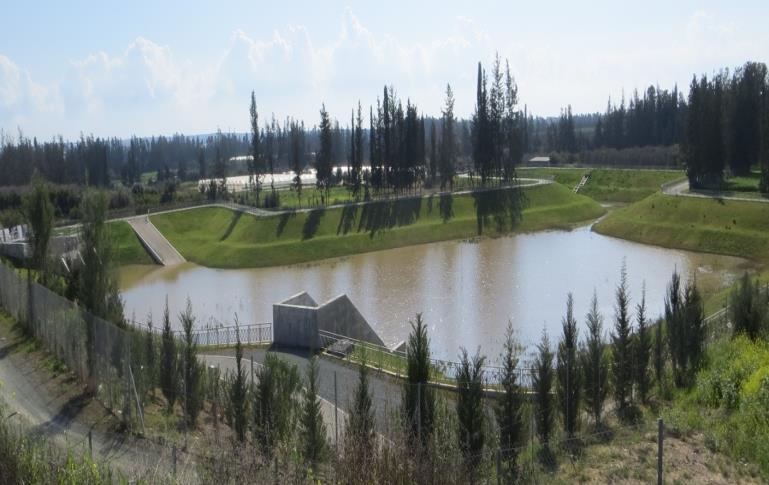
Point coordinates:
[[735, 228], [222, 238], [609, 185]]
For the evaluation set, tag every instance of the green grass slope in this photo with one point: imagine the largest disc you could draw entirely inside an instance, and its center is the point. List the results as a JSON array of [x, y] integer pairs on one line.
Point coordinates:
[[128, 248], [609, 185], [225, 239], [735, 228]]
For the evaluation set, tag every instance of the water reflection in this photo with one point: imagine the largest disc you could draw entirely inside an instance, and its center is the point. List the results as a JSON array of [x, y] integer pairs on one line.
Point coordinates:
[[467, 291]]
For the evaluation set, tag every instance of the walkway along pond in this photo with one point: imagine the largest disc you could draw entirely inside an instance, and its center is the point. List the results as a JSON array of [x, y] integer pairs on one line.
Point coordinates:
[[467, 291]]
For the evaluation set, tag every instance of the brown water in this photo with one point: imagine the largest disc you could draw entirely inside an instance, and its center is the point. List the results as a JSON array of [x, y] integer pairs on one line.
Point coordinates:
[[466, 291]]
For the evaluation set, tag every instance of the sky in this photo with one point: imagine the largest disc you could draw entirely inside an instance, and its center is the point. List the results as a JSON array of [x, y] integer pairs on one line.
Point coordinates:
[[148, 67]]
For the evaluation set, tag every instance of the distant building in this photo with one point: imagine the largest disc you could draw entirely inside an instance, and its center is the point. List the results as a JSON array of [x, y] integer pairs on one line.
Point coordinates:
[[539, 162]]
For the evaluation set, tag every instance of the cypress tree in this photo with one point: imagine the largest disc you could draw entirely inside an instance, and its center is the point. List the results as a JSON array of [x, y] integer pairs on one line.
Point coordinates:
[[694, 317], [544, 408], [191, 369], [748, 308], [168, 382], [676, 332], [238, 390], [359, 432], [622, 363], [568, 372], [643, 349], [418, 397], [39, 212], [150, 356], [313, 429], [509, 409], [595, 364], [448, 142], [470, 415]]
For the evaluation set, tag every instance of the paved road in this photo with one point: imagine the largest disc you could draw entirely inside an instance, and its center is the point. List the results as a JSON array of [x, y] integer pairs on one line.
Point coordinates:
[[158, 246], [682, 189], [57, 417]]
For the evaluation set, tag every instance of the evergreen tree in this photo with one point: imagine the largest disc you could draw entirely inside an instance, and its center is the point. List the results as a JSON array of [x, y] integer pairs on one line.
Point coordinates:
[[470, 409], [256, 166], [39, 212], [643, 349], [202, 171], [275, 401], [448, 142], [433, 154], [544, 408], [568, 383], [595, 364], [238, 390], [659, 354], [676, 333], [512, 128], [313, 429], [323, 161], [694, 316], [418, 397], [622, 363], [748, 308], [192, 370], [509, 409], [168, 383], [150, 356], [359, 431]]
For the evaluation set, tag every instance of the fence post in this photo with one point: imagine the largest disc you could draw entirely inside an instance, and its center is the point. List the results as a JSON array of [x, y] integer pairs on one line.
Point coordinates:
[[90, 444], [499, 467], [336, 418], [660, 438], [252, 369]]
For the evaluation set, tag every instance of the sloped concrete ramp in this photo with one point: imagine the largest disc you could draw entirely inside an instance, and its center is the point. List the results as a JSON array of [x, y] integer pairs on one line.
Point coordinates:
[[156, 244]]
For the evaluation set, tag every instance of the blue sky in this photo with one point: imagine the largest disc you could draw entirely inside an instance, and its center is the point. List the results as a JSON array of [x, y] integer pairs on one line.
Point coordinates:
[[141, 67]]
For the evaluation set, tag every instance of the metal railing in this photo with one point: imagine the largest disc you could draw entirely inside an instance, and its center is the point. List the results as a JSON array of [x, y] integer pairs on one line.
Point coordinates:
[[221, 336]]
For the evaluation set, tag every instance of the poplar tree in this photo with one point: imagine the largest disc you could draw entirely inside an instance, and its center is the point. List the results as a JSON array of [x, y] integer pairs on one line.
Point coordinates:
[[622, 363], [595, 363], [568, 383], [39, 212], [256, 166], [323, 160]]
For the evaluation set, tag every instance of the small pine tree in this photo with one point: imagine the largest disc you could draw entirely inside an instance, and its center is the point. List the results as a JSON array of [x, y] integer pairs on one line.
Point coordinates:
[[275, 401], [622, 363], [313, 429], [659, 354], [470, 409], [748, 308], [359, 432], [676, 332], [191, 369], [694, 316], [543, 385], [568, 372], [595, 364], [643, 349], [168, 381], [150, 356], [509, 408], [418, 397], [238, 390]]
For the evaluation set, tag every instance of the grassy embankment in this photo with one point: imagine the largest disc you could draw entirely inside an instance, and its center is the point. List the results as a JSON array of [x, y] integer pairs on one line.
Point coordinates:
[[736, 228], [222, 238], [128, 248], [606, 185]]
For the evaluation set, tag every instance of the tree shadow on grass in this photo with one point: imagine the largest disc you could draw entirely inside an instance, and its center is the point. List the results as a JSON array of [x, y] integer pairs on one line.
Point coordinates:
[[347, 219], [282, 221], [502, 208], [446, 205], [233, 222], [311, 223], [380, 216]]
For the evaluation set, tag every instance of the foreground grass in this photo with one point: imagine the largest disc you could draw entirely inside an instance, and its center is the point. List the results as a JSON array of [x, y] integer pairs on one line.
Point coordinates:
[[128, 248], [222, 238], [607, 185], [735, 228]]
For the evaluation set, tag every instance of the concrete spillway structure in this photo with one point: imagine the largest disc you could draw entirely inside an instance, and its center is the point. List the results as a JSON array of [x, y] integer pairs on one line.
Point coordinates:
[[298, 321]]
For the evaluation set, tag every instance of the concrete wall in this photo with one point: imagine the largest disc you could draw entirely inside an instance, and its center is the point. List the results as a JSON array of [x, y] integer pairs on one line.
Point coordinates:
[[295, 326], [341, 317]]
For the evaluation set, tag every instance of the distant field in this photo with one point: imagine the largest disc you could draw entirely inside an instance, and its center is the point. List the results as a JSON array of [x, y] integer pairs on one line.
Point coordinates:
[[606, 185], [127, 245], [735, 228], [222, 238]]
